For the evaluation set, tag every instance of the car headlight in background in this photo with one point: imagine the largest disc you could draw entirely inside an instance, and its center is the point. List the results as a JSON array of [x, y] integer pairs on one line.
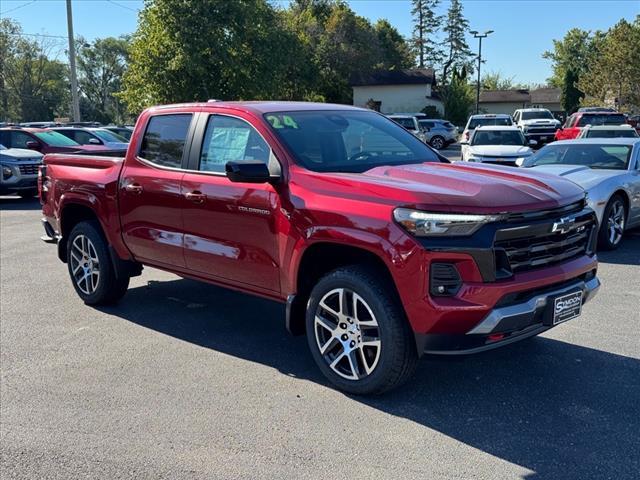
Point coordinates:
[[474, 158], [6, 173], [426, 224]]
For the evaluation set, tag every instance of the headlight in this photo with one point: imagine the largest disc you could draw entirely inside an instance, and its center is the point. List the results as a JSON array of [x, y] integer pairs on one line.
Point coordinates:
[[6, 173], [425, 224], [474, 158]]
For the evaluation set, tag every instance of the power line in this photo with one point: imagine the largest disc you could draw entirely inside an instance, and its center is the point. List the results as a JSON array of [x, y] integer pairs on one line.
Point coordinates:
[[36, 35], [123, 6], [18, 7]]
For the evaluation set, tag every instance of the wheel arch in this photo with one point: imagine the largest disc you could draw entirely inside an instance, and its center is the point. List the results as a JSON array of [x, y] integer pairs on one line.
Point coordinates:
[[317, 260]]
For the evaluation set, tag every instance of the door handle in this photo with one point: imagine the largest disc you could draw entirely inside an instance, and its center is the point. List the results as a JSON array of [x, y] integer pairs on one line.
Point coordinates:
[[196, 197], [134, 188]]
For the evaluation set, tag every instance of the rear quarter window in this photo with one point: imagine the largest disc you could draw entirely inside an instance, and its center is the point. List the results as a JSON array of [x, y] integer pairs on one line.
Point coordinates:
[[164, 139]]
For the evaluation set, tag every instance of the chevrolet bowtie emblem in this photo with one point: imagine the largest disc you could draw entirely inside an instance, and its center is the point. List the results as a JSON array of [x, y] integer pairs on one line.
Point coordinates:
[[564, 225]]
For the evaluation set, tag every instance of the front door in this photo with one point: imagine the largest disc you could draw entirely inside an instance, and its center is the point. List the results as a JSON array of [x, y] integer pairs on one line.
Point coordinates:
[[230, 231], [150, 195]]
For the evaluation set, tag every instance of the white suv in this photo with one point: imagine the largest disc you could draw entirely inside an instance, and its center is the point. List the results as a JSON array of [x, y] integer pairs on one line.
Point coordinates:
[[537, 124]]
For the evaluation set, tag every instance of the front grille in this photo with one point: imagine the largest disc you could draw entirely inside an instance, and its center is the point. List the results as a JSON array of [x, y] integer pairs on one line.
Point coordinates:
[[29, 169], [507, 162], [551, 213], [542, 130], [534, 246]]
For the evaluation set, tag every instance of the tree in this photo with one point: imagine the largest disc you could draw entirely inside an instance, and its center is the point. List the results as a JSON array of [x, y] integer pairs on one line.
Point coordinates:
[[101, 66], [426, 23], [458, 97], [394, 50], [34, 87], [613, 72], [570, 57], [496, 81], [458, 53], [186, 51]]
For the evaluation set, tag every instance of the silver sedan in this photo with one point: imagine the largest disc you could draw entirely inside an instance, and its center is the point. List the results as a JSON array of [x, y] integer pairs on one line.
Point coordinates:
[[609, 170]]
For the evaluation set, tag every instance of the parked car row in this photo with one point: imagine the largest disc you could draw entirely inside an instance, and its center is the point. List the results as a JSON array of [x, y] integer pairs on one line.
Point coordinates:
[[435, 132], [22, 149], [602, 156]]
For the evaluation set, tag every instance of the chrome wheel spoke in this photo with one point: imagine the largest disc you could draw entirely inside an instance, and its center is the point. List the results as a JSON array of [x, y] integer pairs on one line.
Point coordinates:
[[347, 334], [85, 265]]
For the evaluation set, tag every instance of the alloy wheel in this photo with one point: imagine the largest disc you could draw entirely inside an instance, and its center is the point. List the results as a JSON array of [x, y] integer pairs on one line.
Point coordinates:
[[85, 266], [615, 222], [347, 334], [437, 143]]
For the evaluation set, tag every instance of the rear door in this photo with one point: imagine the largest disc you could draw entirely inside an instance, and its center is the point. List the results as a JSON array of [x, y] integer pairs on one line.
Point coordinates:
[[230, 228], [150, 196]]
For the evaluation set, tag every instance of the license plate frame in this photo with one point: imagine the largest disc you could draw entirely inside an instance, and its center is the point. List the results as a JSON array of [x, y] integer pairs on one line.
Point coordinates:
[[567, 307]]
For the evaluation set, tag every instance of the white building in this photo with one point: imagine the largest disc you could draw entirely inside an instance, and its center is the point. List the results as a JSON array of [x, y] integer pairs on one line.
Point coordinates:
[[394, 91], [507, 101]]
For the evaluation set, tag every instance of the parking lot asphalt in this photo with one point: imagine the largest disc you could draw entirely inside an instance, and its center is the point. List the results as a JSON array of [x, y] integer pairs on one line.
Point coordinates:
[[187, 380]]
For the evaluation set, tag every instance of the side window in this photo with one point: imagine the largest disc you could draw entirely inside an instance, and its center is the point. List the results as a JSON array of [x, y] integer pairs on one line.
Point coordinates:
[[572, 121], [229, 139], [80, 136], [164, 139], [20, 139], [429, 124]]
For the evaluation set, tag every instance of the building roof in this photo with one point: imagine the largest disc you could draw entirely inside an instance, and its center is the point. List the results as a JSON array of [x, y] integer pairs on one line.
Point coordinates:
[[540, 95], [414, 76], [545, 95], [505, 96]]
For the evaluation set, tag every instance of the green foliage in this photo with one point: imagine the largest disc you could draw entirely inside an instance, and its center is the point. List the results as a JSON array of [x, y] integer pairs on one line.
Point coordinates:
[[101, 66], [33, 86], [247, 49], [458, 97], [613, 72], [496, 81], [431, 111], [458, 54], [395, 53], [426, 24], [571, 95]]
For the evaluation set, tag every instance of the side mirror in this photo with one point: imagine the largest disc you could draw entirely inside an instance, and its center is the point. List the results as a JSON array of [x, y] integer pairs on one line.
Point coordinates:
[[533, 143], [32, 145], [95, 141], [248, 172]]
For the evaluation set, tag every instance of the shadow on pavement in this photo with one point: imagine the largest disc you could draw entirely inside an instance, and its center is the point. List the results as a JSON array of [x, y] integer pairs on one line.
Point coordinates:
[[558, 409], [18, 203], [628, 253]]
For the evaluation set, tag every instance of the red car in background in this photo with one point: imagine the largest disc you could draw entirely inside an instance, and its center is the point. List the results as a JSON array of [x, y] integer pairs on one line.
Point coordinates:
[[574, 124], [47, 141]]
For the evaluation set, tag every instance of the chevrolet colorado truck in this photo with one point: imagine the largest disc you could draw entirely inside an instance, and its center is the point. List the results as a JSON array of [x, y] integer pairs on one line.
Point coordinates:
[[381, 249]]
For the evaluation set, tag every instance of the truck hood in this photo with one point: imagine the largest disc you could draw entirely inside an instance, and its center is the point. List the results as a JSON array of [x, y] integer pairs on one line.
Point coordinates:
[[584, 176], [500, 150], [460, 187], [20, 154]]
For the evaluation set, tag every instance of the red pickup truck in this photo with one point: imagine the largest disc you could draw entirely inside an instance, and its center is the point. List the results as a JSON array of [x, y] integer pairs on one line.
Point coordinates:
[[381, 249]]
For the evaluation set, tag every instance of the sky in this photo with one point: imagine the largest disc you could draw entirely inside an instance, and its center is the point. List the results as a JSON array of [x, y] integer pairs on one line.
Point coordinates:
[[524, 29]]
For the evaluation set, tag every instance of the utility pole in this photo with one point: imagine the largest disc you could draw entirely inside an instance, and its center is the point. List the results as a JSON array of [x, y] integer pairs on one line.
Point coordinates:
[[75, 103], [479, 36]]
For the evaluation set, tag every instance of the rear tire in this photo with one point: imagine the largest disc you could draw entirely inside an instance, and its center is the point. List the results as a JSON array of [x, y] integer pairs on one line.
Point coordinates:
[[613, 224], [90, 267], [357, 332], [438, 142]]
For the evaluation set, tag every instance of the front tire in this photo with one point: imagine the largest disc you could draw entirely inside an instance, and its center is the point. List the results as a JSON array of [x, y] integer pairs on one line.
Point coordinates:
[[90, 267], [357, 332], [613, 224]]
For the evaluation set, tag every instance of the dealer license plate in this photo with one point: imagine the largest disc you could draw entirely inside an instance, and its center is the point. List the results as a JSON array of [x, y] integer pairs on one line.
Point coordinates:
[[567, 307]]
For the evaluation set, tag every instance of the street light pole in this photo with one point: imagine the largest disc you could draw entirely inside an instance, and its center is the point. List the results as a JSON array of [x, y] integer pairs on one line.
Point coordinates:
[[479, 36], [75, 103]]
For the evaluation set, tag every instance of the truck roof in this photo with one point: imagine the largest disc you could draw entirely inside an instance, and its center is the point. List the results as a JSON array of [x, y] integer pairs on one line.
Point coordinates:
[[261, 107]]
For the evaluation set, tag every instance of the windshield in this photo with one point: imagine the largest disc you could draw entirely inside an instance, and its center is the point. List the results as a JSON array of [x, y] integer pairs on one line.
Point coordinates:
[[534, 115], [497, 137], [107, 136], [601, 119], [56, 139], [347, 141], [500, 121], [612, 157], [617, 133]]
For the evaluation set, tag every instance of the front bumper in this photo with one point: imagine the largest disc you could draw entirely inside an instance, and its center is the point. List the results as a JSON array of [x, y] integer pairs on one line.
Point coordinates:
[[511, 321], [17, 184]]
